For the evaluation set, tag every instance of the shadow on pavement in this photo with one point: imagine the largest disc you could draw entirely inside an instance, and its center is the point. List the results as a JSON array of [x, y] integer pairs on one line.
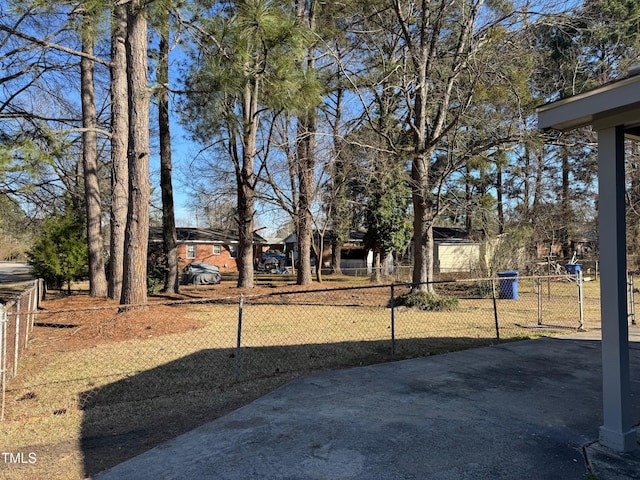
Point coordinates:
[[127, 417], [525, 410]]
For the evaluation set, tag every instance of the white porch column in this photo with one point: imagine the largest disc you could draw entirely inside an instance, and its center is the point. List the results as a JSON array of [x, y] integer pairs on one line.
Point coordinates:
[[617, 432]]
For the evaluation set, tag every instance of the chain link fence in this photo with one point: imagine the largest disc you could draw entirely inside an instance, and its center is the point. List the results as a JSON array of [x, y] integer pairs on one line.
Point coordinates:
[[83, 357], [403, 273], [17, 316], [119, 382]]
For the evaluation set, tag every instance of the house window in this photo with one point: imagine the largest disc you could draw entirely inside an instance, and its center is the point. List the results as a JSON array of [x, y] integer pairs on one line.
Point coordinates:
[[233, 251], [191, 251], [216, 249]]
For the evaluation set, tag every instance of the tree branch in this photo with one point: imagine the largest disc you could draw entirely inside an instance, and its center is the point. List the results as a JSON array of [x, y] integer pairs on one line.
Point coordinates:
[[53, 46]]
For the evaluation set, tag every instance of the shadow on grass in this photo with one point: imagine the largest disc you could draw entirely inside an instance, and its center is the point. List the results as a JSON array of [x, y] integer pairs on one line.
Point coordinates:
[[127, 417]]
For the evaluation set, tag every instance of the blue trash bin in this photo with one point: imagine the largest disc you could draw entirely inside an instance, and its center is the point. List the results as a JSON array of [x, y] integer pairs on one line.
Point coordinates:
[[508, 284], [572, 268]]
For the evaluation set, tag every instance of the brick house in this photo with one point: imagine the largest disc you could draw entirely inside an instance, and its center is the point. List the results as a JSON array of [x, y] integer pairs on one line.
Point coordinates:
[[210, 245]]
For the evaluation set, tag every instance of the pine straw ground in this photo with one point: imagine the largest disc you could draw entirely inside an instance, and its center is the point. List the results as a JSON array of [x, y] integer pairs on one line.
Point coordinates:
[[59, 428]]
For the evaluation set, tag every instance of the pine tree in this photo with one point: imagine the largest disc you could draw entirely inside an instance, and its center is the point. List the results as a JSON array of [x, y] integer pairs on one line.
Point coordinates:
[[59, 255]]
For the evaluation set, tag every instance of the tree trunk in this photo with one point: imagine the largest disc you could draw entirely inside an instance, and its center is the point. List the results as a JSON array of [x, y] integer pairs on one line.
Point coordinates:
[[246, 211], [317, 256], [538, 187], [119, 142], [526, 189], [304, 154], [499, 190], [432, 79], [376, 276], [303, 272], [341, 218], [97, 277], [536, 214], [565, 203], [169, 236], [421, 186], [423, 246], [246, 186], [134, 287], [305, 161], [468, 197], [336, 255]]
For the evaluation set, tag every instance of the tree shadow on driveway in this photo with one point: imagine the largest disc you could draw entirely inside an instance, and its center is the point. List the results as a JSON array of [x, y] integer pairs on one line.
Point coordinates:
[[129, 416]]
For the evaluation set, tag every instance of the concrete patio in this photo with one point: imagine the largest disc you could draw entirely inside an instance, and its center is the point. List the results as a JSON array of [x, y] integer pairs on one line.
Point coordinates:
[[522, 410]]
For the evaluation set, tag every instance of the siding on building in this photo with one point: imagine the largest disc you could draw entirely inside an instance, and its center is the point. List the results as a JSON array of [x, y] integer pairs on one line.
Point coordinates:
[[457, 256]]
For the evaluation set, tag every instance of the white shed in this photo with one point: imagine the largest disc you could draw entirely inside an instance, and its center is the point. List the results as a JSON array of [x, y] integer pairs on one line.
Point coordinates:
[[456, 256]]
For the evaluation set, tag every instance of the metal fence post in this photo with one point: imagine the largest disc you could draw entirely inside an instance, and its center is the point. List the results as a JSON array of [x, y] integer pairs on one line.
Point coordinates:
[[41, 290], [580, 299], [33, 306], [539, 291], [393, 321], [239, 342], [495, 308], [3, 357], [17, 337], [632, 306]]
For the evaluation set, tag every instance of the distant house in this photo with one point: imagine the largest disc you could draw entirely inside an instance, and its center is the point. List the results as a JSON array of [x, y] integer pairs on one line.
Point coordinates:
[[353, 253], [210, 245], [454, 250], [582, 245], [274, 245]]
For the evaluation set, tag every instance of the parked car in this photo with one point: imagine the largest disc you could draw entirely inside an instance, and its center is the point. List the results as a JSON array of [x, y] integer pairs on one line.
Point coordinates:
[[200, 273], [272, 263]]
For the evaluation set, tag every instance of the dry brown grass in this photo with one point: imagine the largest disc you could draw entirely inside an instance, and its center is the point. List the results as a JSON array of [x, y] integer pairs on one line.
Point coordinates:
[[132, 391]]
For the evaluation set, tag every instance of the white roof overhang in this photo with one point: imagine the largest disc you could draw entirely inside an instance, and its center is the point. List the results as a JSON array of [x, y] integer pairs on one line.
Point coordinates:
[[614, 104]]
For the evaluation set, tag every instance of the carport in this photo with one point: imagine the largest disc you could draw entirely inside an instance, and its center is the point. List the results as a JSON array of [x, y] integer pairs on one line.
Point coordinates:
[[613, 111]]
